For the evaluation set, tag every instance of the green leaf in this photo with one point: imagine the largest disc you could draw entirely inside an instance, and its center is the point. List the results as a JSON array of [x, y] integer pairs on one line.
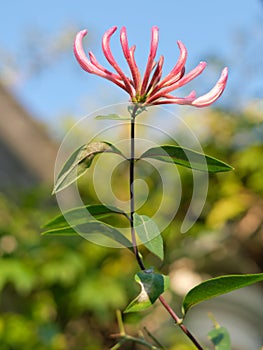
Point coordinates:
[[149, 234], [61, 231], [97, 228], [18, 273], [112, 117], [186, 158], [81, 215], [102, 232], [218, 286], [79, 162], [220, 338], [152, 286]]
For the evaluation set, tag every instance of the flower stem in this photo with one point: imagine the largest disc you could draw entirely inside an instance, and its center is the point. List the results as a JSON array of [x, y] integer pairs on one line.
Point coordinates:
[[177, 319], [132, 198]]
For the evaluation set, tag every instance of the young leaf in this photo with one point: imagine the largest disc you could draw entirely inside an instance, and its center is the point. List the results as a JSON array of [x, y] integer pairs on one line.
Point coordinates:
[[220, 338], [81, 215], [152, 286], [79, 162], [103, 233], [149, 234], [186, 158], [218, 286], [61, 231], [112, 117]]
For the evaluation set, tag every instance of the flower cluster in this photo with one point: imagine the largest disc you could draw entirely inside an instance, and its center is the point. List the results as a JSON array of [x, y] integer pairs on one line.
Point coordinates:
[[151, 89]]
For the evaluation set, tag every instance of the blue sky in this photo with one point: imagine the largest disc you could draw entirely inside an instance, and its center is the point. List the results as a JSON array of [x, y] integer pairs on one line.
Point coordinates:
[[206, 28]]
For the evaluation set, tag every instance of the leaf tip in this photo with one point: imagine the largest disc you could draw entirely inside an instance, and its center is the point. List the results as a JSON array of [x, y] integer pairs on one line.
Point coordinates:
[[53, 191]]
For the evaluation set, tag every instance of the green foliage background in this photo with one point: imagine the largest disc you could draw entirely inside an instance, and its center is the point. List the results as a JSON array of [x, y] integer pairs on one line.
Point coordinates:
[[62, 292]]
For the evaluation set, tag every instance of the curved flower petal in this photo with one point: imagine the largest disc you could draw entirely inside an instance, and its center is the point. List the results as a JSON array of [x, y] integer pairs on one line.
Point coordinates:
[[152, 54], [92, 66], [95, 63], [80, 54], [129, 55], [189, 76], [184, 80], [177, 69], [214, 93], [137, 76], [156, 75], [169, 99], [107, 52]]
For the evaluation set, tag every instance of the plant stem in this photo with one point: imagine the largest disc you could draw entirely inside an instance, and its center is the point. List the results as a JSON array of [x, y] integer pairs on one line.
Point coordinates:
[[132, 206], [177, 319], [141, 341], [154, 339]]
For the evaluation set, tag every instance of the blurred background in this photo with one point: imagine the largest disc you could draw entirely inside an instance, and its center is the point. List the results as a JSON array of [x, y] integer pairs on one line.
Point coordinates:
[[62, 292]]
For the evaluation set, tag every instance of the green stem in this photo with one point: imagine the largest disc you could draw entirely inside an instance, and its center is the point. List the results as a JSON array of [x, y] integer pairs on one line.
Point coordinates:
[[142, 342], [127, 337], [154, 339]]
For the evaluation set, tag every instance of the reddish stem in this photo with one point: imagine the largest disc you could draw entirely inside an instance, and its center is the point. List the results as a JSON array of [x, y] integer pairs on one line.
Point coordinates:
[[178, 321]]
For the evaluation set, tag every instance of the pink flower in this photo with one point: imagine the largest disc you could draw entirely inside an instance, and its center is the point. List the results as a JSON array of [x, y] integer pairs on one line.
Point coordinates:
[[151, 89]]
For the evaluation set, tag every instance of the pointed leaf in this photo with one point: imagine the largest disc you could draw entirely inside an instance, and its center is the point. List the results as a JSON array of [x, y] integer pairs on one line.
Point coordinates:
[[61, 231], [186, 158], [218, 286], [152, 286], [81, 215], [103, 232], [149, 234], [79, 162], [97, 228], [112, 117], [220, 338]]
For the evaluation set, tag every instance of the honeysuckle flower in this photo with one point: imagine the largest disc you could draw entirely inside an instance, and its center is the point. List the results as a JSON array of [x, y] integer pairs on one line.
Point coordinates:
[[151, 88]]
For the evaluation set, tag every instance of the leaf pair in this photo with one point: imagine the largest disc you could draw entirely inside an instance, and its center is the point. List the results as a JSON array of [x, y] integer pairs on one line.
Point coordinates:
[[84, 221], [82, 158], [153, 285]]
